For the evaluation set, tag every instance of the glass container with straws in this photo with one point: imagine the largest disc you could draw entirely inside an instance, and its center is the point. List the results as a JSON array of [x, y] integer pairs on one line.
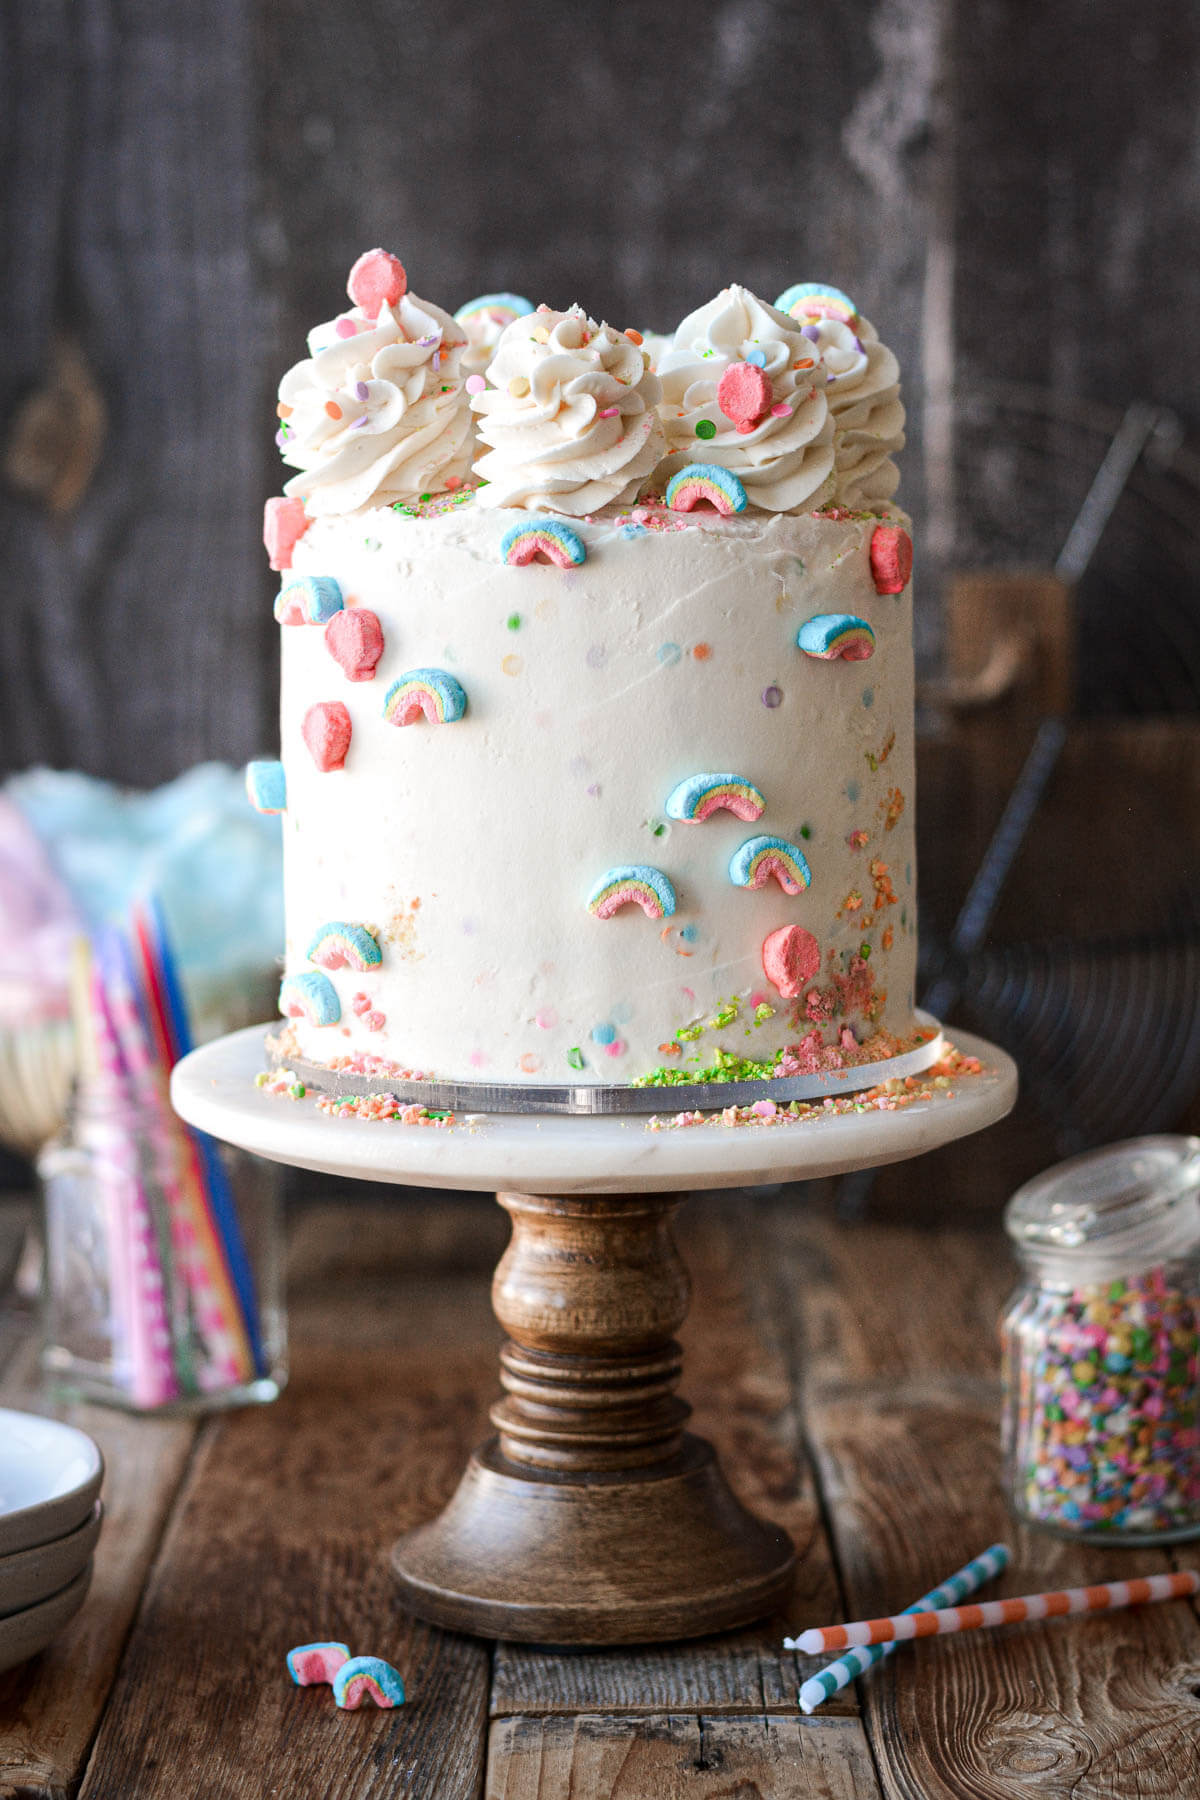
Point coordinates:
[[163, 1286]]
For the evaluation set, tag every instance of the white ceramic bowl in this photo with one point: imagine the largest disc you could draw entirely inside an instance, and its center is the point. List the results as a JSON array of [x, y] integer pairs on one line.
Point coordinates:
[[23, 1634], [28, 1576], [50, 1477]]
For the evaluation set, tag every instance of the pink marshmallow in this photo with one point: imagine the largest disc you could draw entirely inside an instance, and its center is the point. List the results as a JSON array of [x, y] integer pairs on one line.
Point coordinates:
[[790, 957], [354, 639], [284, 524], [744, 395], [377, 279], [326, 730]]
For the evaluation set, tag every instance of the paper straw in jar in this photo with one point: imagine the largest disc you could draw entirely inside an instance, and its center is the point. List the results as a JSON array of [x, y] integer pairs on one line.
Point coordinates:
[[1110, 1596], [134, 1260], [215, 1237], [148, 1084], [826, 1682]]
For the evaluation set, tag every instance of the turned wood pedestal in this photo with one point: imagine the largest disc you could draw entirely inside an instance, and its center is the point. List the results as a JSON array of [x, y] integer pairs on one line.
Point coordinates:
[[592, 1516]]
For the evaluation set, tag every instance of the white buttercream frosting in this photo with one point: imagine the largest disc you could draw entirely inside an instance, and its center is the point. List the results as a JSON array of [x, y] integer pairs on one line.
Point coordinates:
[[786, 462], [380, 413], [862, 388], [568, 416]]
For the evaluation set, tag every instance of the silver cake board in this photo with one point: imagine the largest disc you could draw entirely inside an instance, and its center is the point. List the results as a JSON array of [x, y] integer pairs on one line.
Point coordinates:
[[595, 1100]]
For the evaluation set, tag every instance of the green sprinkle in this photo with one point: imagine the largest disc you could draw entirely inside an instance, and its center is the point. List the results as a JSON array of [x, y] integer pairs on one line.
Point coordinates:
[[687, 1034], [298, 1091], [864, 950], [806, 831], [513, 621], [402, 506], [262, 1078], [763, 1011], [706, 429], [424, 497], [658, 829], [575, 1057]]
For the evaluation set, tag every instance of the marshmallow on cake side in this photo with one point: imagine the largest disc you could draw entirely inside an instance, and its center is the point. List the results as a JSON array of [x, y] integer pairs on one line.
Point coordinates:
[[581, 784]]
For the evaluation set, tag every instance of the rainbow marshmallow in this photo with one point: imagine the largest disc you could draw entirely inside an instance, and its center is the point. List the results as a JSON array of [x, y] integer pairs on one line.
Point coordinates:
[[367, 1678], [761, 857], [425, 693], [266, 787], [817, 300], [501, 309], [341, 946], [308, 600], [310, 995], [832, 635], [635, 883], [543, 537], [697, 798], [700, 482], [309, 1665]]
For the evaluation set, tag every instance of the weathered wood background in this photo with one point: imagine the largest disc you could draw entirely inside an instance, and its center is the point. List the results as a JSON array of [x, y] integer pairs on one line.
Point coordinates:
[[1012, 195]]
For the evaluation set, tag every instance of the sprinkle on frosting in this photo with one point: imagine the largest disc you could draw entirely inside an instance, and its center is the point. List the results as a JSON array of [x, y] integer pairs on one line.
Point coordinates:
[[568, 416]]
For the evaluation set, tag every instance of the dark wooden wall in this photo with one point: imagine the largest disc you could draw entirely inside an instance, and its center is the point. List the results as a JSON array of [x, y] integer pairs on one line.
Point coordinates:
[[1012, 192]]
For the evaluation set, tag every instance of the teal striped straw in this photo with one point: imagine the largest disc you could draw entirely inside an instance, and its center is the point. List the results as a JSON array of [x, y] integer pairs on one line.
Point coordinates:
[[829, 1681]]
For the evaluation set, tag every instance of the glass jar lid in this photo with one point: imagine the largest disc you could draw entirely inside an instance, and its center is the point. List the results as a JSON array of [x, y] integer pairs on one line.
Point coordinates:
[[1123, 1205]]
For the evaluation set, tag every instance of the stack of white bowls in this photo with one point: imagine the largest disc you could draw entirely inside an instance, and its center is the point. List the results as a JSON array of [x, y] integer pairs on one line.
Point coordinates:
[[50, 1514]]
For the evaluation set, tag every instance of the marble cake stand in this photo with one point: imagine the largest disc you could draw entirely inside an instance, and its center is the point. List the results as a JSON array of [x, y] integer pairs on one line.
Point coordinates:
[[591, 1516]]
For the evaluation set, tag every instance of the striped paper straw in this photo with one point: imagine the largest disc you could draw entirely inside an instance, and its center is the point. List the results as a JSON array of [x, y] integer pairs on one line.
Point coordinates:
[[231, 1314], [827, 1682], [139, 1281], [1109, 1596]]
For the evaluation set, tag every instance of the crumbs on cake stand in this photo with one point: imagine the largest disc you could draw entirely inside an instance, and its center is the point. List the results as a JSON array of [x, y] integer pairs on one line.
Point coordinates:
[[375, 1108], [935, 1083]]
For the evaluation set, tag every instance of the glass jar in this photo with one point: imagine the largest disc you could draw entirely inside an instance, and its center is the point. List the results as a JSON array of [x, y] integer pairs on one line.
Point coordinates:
[[162, 1287], [1100, 1345]]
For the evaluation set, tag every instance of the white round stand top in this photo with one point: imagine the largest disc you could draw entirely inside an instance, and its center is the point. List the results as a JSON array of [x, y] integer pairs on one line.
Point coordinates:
[[213, 1089]]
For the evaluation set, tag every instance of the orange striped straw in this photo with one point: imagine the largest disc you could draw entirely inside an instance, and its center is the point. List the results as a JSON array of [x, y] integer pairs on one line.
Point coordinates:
[[1108, 1597]]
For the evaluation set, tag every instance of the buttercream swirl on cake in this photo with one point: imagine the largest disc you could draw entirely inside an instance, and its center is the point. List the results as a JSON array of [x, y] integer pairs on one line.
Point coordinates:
[[568, 416], [378, 413], [862, 388], [786, 463]]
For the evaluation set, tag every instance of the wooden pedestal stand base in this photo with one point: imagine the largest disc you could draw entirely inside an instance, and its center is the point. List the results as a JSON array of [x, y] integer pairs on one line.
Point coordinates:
[[592, 1517]]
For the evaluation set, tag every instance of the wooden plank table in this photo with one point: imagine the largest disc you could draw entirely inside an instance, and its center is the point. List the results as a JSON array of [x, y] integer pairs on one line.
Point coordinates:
[[847, 1375]]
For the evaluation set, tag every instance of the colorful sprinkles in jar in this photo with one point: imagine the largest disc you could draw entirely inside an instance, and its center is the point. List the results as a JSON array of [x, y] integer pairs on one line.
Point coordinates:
[[1102, 1344]]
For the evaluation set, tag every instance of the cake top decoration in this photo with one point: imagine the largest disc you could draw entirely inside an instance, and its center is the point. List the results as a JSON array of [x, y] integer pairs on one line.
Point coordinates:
[[785, 458], [377, 413], [567, 415]]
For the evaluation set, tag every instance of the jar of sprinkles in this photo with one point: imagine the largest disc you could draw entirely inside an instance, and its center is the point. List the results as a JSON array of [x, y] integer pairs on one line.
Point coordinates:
[[1101, 1345]]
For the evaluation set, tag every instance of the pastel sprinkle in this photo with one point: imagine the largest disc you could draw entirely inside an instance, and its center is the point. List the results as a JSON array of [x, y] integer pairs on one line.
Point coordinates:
[[475, 384], [705, 429], [669, 654], [757, 357], [781, 410], [772, 696], [604, 1034]]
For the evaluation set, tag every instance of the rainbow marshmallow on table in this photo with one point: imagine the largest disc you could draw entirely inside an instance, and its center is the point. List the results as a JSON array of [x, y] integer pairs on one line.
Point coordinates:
[[339, 945], [636, 884], [833, 635], [754, 862], [425, 693], [699, 482], [699, 796], [543, 537], [367, 1678]]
